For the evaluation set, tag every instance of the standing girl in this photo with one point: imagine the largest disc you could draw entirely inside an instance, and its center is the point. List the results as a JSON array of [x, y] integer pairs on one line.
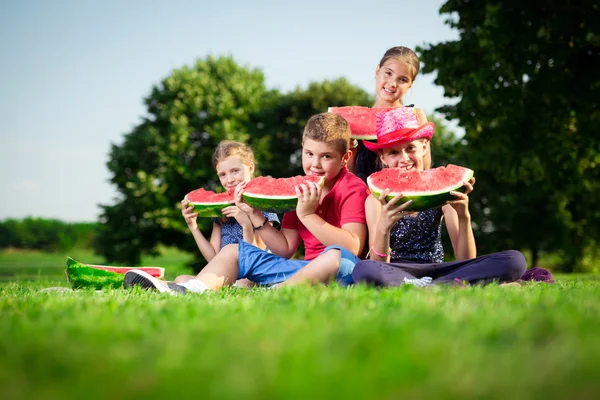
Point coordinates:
[[406, 247], [234, 163], [394, 76]]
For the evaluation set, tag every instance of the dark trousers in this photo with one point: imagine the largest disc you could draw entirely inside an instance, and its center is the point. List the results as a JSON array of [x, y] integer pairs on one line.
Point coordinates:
[[505, 266]]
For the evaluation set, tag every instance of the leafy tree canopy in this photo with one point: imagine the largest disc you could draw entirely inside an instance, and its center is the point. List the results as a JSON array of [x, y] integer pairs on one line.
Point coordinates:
[[525, 74], [170, 152]]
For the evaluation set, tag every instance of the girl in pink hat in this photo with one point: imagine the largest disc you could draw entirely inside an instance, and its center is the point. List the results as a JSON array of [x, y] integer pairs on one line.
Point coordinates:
[[394, 76], [406, 248]]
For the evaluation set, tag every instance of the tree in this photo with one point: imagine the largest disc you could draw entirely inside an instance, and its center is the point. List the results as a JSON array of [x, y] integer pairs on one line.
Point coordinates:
[[526, 77], [279, 128], [170, 153]]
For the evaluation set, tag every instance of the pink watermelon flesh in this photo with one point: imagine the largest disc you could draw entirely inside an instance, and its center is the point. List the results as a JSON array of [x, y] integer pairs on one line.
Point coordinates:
[[427, 189], [209, 204], [275, 194], [156, 272], [362, 120]]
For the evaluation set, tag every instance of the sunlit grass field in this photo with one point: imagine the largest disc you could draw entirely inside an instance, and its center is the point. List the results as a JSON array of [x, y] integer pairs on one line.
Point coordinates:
[[536, 341]]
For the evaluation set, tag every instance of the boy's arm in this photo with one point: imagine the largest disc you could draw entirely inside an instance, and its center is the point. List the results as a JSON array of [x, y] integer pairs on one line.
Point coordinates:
[[282, 243], [351, 235]]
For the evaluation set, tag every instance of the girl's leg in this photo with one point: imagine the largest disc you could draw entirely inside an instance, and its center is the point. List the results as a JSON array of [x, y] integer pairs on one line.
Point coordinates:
[[382, 274], [322, 269], [505, 266]]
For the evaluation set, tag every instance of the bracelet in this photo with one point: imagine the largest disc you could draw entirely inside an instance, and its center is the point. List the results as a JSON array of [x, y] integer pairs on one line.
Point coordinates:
[[382, 255], [261, 225]]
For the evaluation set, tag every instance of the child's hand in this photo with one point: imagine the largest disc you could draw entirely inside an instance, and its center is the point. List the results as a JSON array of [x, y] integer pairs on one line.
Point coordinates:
[[240, 216], [461, 204], [239, 201], [309, 194], [390, 213], [187, 210]]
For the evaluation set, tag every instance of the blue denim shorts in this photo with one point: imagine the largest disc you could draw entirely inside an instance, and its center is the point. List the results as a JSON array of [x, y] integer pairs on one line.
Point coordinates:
[[266, 268]]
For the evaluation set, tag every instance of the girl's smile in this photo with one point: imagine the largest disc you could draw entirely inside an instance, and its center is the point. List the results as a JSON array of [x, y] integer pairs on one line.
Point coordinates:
[[406, 155], [393, 79], [232, 171]]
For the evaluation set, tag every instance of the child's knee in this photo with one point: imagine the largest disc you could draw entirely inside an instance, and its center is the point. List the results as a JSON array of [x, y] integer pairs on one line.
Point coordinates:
[[516, 265], [364, 271], [333, 259]]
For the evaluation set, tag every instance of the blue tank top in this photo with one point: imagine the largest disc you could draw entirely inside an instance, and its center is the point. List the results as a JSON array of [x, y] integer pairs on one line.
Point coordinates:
[[418, 238]]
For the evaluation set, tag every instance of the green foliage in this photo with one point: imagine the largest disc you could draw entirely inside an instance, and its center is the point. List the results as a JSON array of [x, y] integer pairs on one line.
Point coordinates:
[[46, 234], [169, 153], [281, 122], [526, 78], [538, 341]]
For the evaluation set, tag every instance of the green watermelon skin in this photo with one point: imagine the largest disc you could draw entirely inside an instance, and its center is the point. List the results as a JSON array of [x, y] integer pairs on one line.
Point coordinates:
[[281, 197], [270, 204], [210, 210], [422, 202], [81, 276]]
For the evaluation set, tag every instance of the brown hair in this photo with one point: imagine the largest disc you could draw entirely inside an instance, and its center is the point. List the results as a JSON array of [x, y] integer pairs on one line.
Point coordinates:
[[328, 128], [229, 148], [403, 54]]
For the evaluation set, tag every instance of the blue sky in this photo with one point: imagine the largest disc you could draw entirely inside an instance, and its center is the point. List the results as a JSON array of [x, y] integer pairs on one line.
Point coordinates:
[[74, 74]]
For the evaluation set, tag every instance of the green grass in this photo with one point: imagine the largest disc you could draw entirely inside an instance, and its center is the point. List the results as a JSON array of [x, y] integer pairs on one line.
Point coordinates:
[[536, 341]]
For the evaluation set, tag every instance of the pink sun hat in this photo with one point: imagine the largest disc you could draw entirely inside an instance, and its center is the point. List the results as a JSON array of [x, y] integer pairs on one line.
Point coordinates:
[[399, 126]]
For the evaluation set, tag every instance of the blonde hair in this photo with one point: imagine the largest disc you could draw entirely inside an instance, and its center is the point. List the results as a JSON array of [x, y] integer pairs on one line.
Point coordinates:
[[403, 54], [328, 128], [232, 148]]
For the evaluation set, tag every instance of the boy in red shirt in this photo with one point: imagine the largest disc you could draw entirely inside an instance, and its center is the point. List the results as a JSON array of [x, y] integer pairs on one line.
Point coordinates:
[[330, 221]]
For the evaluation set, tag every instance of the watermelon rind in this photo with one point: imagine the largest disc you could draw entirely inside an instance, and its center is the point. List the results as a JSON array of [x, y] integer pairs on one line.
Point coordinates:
[[423, 201], [273, 203], [80, 276], [85, 276], [207, 210]]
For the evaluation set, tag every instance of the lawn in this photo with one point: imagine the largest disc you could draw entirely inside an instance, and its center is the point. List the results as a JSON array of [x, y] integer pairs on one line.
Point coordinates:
[[535, 341]]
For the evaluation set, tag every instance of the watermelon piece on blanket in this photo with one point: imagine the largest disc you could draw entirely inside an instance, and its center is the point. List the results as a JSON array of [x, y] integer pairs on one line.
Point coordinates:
[[210, 204], [362, 120], [276, 194], [82, 275], [427, 189]]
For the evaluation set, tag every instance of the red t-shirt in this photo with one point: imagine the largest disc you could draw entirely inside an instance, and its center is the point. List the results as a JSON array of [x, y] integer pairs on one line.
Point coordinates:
[[344, 204]]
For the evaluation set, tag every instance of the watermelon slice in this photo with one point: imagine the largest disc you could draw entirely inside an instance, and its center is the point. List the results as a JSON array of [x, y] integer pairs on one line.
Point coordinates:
[[362, 120], [210, 204], [82, 275], [427, 189], [275, 194]]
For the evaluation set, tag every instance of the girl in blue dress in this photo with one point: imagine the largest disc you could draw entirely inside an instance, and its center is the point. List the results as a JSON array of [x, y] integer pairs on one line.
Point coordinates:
[[235, 164]]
